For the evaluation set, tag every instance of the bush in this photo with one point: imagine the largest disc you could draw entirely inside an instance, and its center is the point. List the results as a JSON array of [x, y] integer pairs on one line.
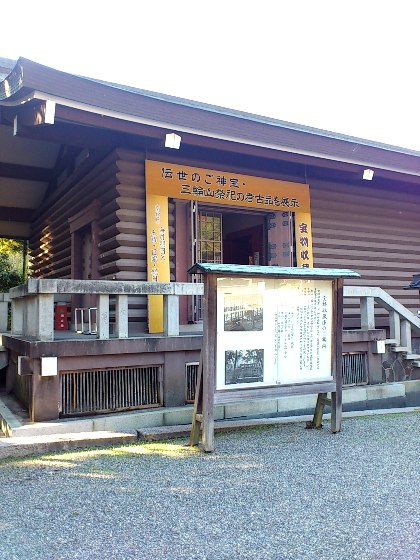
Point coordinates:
[[9, 274], [9, 279]]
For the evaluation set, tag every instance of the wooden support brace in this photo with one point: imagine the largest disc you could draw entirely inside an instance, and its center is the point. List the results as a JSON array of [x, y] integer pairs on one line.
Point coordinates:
[[197, 417], [336, 411], [316, 422]]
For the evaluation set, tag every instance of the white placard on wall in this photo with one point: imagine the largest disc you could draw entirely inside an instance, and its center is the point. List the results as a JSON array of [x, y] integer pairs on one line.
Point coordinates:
[[274, 331]]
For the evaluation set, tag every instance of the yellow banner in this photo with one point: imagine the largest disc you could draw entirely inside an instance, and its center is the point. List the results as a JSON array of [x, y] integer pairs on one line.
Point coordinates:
[[158, 266], [169, 180], [303, 233], [220, 187]]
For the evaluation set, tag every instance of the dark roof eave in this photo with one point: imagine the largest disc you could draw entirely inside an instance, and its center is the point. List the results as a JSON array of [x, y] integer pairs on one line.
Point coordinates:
[[189, 116], [255, 117], [12, 84]]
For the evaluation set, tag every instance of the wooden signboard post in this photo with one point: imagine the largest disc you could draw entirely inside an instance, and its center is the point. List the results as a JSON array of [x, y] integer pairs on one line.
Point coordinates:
[[269, 332]]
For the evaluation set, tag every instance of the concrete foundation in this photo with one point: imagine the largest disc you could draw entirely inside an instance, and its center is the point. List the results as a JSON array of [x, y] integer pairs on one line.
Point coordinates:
[[363, 398]]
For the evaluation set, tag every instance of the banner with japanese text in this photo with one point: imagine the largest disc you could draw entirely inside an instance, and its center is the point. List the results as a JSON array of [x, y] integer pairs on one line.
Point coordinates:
[[303, 234], [220, 187], [169, 180], [158, 266]]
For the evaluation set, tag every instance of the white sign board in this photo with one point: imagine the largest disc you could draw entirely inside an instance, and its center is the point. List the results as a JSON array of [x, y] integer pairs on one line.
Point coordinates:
[[274, 331]]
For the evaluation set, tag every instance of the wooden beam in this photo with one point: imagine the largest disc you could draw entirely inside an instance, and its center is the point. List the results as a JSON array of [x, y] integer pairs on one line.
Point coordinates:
[[34, 114], [75, 135], [25, 172], [13, 214]]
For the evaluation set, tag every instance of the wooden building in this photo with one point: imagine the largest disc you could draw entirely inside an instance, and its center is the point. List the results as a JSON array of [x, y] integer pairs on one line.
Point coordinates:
[[88, 176]]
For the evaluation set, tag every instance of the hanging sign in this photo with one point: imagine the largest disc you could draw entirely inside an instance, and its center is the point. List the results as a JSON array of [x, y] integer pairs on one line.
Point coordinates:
[[221, 187], [170, 180]]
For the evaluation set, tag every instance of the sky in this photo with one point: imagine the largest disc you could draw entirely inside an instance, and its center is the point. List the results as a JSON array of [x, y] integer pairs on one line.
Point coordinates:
[[349, 66]]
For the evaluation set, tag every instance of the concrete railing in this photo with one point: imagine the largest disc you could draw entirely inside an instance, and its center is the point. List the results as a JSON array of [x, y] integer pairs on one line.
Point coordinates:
[[33, 304], [4, 312], [401, 320], [33, 307]]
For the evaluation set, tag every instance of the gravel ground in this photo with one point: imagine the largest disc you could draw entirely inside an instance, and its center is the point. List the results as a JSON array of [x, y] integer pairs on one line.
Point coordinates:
[[275, 493]]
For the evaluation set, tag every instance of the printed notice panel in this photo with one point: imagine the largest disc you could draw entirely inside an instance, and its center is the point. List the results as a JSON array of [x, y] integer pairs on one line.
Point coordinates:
[[273, 331]]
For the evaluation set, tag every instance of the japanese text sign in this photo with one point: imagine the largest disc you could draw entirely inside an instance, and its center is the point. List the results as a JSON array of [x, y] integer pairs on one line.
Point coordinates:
[[220, 187]]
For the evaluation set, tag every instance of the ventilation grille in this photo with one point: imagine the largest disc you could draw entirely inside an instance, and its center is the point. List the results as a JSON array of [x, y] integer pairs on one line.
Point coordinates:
[[191, 370], [106, 390], [354, 368], [355, 371]]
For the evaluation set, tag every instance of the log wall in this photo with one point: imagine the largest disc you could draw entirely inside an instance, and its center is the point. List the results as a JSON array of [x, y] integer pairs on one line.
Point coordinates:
[[118, 183], [371, 230], [365, 228]]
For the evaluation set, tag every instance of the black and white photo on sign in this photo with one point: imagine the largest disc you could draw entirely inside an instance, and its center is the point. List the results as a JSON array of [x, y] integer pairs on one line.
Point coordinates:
[[244, 366], [243, 312]]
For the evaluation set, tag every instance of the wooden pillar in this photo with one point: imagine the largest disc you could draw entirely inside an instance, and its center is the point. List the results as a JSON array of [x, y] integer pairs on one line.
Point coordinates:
[[336, 397], [182, 254], [209, 359]]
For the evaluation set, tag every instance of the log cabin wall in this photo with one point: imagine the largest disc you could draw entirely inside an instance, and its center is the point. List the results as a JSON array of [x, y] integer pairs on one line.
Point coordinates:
[[123, 222], [373, 231], [117, 183], [368, 229]]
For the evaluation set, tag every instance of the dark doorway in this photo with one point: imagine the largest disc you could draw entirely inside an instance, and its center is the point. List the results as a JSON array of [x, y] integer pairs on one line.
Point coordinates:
[[245, 246], [243, 238]]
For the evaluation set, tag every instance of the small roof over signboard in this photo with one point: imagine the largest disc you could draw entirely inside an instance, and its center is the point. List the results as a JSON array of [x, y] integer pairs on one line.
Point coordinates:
[[275, 271]]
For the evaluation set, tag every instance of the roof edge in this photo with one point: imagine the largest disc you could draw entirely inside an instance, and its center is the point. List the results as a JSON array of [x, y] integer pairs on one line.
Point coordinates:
[[12, 83], [24, 76], [254, 117]]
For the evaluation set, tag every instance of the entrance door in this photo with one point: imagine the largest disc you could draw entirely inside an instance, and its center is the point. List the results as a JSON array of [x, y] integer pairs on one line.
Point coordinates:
[[230, 237], [238, 237], [207, 246]]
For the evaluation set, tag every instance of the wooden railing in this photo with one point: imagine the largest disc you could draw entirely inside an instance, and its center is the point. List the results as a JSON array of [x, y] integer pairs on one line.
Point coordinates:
[[33, 304], [401, 320]]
